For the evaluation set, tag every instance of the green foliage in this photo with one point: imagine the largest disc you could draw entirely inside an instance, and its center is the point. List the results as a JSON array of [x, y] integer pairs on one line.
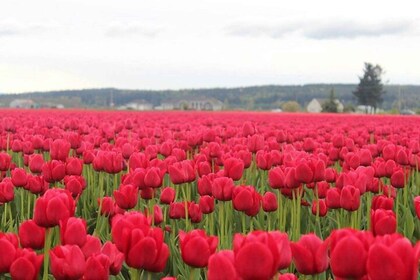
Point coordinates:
[[290, 106], [330, 105], [370, 90]]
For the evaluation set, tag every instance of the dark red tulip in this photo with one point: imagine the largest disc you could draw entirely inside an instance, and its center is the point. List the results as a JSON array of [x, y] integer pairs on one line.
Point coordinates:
[[67, 262], [75, 185], [194, 213], [177, 210], [197, 247], [310, 254], [31, 235]]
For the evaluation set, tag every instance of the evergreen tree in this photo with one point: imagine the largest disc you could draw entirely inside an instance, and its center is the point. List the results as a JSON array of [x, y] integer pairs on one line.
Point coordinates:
[[330, 105], [370, 89]]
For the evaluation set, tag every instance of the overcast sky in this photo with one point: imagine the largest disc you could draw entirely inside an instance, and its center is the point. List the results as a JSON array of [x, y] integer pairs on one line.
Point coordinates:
[[53, 44]]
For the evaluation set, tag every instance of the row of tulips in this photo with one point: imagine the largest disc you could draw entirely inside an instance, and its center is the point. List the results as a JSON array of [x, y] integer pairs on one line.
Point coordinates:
[[197, 196]]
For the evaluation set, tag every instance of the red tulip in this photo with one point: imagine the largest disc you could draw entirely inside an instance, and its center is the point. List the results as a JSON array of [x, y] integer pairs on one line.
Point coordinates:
[[74, 166], [182, 172], [382, 202], [257, 255], [350, 198], [31, 235], [222, 188], [346, 245], [304, 173], [319, 206], [398, 179], [112, 162], [75, 185], [417, 206], [92, 246], [36, 161], [269, 202], [7, 191], [8, 251], [197, 247], [152, 178], [26, 266], [67, 262], [97, 267], [233, 168], [246, 199], [276, 178], [60, 149], [53, 171], [116, 258], [206, 204], [73, 232], [126, 196], [5, 160], [167, 195], [383, 222], [392, 257], [54, 206], [19, 177], [333, 198], [37, 184], [310, 254], [221, 266]]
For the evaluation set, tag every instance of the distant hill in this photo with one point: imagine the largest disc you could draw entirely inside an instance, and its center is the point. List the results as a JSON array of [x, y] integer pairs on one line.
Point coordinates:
[[252, 98]]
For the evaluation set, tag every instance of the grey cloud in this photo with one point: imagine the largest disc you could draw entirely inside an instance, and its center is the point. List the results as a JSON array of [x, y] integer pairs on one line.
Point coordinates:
[[14, 28], [312, 29], [259, 30], [350, 29], [118, 29]]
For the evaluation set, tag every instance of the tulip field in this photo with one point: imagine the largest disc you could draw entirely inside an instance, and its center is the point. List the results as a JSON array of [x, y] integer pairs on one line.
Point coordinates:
[[206, 195]]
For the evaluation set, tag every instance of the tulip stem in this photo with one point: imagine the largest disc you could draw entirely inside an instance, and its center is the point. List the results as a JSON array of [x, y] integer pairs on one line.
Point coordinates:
[[47, 246], [192, 273]]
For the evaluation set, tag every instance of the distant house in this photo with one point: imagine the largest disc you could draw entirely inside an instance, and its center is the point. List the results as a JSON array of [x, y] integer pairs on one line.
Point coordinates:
[[139, 105], [22, 103], [315, 106], [366, 109], [197, 104]]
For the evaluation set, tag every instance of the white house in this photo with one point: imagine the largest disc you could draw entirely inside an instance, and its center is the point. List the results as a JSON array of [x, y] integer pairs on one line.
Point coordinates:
[[315, 106], [197, 104], [22, 103], [140, 105]]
